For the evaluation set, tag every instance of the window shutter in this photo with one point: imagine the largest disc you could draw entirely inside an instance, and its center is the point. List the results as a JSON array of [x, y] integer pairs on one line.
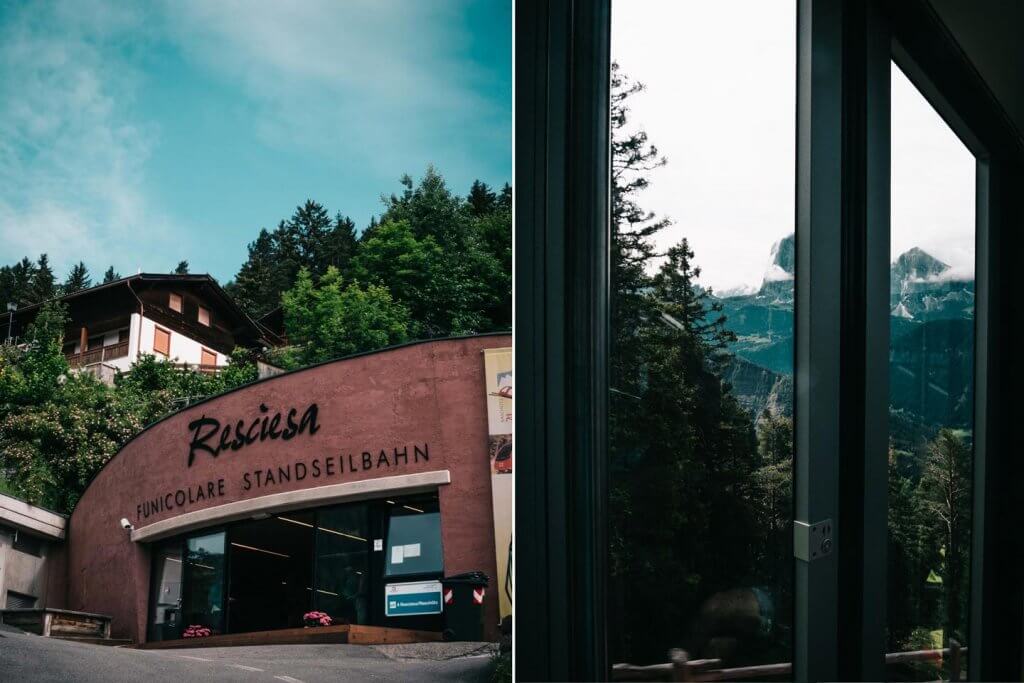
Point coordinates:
[[175, 302], [162, 341]]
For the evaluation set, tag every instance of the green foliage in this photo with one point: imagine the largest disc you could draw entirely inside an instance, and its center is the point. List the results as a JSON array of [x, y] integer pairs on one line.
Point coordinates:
[[111, 275], [327, 319], [181, 268], [447, 260], [57, 428]]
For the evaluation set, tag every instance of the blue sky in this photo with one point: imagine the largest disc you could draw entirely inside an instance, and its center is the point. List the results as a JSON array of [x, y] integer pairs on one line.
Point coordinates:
[[138, 135]]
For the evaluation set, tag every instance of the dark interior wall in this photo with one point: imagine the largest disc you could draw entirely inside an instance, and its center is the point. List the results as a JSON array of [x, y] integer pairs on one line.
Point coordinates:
[[989, 33]]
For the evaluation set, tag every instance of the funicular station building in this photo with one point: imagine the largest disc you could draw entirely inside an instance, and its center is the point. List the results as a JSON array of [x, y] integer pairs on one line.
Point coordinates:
[[320, 489]]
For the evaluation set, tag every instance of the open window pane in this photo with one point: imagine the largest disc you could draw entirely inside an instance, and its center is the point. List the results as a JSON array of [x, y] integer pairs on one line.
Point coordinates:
[[703, 267], [931, 398]]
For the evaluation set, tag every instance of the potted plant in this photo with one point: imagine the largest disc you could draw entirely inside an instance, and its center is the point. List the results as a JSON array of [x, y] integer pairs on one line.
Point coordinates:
[[312, 619], [196, 631]]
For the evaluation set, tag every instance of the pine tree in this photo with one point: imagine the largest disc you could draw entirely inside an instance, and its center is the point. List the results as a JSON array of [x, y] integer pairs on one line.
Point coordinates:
[[44, 283], [339, 245], [682, 450], [252, 287], [505, 198], [77, 280], [481, 199], [182, 268], [309, 227], [111, 275]]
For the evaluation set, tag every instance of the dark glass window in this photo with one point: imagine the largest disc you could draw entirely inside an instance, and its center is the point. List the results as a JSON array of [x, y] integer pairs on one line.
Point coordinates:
[[28, 544], [343, 563], [701, 368], [204, 579], [165, 596], [931, 387], [413, 541]]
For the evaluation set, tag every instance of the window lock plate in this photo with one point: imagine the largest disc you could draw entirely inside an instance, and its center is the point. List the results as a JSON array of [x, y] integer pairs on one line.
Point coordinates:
[[813, 541]]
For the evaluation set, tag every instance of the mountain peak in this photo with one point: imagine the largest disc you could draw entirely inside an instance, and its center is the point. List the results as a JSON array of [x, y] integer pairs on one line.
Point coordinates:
[[917, 264]]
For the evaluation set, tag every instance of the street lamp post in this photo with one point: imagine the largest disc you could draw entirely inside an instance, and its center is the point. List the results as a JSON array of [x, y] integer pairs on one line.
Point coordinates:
[[11, 308]]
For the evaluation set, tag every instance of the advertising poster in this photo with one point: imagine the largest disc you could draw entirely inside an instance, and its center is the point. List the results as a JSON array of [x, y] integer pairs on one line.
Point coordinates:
[[498, 371]]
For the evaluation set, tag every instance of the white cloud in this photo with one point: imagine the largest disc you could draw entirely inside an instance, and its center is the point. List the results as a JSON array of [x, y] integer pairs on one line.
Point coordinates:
[[720, 104], [362, 85], [72, 160]]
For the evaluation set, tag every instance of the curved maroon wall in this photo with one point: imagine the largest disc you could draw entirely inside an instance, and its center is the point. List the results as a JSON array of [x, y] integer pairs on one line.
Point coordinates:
[[429, 395]]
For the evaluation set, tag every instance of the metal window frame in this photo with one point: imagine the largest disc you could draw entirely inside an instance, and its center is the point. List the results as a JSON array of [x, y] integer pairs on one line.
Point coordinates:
[[842, 333], [929, 55]]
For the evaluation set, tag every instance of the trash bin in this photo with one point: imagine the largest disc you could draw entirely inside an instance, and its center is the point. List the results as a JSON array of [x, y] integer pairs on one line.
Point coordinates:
[[464, 606]]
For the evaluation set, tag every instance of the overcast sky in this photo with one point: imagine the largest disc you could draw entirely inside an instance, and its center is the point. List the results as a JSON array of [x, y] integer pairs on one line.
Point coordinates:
[[720, 104], [140, 134]]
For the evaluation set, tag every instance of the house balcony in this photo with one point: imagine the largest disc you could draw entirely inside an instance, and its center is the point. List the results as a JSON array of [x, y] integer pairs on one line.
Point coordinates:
[[97, 355]]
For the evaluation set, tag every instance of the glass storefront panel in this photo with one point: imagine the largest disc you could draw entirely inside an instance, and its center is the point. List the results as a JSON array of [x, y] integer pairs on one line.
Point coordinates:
[[931, 381], [413, 541], [702, 306], [343, 581], [271, 572], [204, 581], [165, 596]]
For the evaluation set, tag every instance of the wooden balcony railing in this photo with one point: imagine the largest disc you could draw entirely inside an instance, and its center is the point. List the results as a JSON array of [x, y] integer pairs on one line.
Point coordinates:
[[97, 355], [683, 669]]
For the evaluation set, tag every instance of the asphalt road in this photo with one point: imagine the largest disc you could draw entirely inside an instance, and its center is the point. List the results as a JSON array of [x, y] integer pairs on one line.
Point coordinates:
[[25, 657]]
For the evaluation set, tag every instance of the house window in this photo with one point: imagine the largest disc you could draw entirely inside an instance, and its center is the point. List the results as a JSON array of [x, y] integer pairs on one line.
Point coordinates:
[[30, 545], [208, 358], [204, 316], [175, 302], [162, 341]]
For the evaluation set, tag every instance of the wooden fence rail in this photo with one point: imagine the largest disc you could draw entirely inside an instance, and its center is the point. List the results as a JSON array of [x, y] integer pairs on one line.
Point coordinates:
[[681, 668]]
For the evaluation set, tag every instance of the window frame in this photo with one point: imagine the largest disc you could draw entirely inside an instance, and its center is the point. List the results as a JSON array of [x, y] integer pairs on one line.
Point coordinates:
[[841, 394], [200, 309], [181, 302], [203, 352]]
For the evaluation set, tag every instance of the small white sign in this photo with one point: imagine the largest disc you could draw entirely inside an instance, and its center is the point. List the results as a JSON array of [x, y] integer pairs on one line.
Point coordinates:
[[378, 544], [412, 550], [397, 554]]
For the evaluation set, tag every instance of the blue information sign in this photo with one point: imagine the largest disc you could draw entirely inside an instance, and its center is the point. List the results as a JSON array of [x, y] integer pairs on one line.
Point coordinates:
[[408, 599]]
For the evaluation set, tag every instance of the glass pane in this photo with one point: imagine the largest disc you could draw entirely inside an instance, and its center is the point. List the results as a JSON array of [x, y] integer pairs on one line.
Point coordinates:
[[343, 563], [165, 600], [271, 572], [703, 267], [204, 582], [931, 397], [414, 541]]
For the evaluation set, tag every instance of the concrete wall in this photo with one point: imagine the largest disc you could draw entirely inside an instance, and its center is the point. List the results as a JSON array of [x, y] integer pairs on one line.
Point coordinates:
[[21, 572], [430, 393]]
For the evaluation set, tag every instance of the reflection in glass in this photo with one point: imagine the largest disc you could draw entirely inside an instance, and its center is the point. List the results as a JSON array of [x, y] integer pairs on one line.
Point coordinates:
[[343, 563], [204, 576], [931, 398], [271, 572], [165, 598], [703, 267]]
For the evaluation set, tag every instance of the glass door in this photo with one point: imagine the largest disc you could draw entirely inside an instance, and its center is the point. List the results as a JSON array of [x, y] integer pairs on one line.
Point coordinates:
[[271, 572], [203, 603], [343, 577], [165, 596]]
